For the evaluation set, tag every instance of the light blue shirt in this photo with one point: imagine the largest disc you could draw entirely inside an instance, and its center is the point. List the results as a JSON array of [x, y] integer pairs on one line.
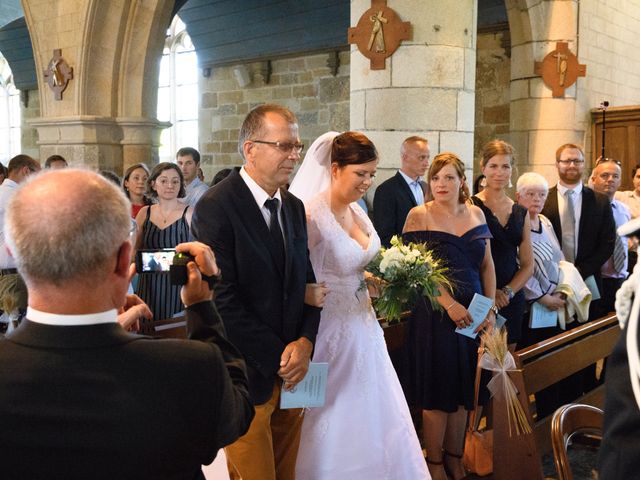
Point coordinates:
[[415, 186]]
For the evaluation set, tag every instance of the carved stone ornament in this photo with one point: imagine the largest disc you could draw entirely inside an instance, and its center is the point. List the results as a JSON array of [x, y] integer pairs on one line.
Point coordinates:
[[560, 69], [58, 74], [379, 33]]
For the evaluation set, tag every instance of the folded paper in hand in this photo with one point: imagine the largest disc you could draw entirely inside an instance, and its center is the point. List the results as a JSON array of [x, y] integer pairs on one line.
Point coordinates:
[[310, 392]]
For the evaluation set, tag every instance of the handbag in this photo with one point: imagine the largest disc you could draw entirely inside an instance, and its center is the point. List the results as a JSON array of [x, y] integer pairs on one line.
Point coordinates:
[[478, 445]]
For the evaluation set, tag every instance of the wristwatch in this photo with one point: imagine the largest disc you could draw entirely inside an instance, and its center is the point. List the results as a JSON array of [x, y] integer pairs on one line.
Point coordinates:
[[508, 291], [494, 309]]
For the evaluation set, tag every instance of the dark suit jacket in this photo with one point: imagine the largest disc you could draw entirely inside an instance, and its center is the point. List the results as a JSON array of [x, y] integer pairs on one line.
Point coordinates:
[[391, 204], [597, 233], [262, 307], [97, 402], [619, 457]]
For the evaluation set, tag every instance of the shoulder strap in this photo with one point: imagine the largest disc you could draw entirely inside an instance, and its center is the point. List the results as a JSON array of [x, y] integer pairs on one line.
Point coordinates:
[[148, 213]]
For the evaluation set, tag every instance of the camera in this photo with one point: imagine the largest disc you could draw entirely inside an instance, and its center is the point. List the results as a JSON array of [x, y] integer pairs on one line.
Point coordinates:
[[163, 261]]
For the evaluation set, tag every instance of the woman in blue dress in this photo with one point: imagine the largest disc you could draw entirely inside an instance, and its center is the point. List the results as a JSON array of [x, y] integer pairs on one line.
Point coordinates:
[[509, 225], [444, 361]]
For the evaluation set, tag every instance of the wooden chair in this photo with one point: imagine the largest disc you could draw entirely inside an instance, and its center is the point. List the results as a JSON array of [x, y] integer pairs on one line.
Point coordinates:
[[567, 422], [537, 367]]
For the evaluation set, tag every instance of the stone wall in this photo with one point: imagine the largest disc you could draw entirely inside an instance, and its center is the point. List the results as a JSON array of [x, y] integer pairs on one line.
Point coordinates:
[[493, 72], [608, 46], [29, 134], [304, 84]]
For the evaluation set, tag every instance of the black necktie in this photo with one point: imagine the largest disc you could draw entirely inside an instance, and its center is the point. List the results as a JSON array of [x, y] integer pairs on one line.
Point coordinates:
[[275, 231]]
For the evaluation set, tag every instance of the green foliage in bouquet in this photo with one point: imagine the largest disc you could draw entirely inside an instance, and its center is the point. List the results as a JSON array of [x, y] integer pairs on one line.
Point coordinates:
[[405, 273]]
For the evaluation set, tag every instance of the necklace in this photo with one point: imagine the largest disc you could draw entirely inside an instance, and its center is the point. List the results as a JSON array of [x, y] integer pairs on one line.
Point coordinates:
[[165, 218]]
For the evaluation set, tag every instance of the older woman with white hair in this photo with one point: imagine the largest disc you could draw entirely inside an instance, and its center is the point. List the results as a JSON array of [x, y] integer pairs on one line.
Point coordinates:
[[531, 192]]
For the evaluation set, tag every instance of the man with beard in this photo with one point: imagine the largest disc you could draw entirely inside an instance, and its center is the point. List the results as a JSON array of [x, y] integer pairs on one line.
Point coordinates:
[[583, 222], [582, 219]]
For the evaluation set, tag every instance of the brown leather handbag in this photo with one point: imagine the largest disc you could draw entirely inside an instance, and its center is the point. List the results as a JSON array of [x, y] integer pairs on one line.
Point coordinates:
[[478, 445]]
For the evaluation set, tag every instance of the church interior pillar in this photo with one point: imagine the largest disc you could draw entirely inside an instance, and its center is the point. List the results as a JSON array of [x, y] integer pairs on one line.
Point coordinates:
[[428, 85], [106, 116]]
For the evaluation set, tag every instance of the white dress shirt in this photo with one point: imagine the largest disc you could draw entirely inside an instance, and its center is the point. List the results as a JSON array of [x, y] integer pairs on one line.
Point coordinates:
[[110, 316], [7, 189], [577, 209], [260, 196]]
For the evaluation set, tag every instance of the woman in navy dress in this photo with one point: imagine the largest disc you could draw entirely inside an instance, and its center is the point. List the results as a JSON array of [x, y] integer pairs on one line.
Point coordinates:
[[444, 361], [511, 238]]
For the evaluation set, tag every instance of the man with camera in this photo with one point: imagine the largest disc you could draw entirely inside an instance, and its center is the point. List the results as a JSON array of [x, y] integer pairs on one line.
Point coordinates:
[[81, 398]]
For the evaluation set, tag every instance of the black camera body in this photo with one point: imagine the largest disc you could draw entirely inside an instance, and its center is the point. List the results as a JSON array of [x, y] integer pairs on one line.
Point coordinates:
[[178, 270]]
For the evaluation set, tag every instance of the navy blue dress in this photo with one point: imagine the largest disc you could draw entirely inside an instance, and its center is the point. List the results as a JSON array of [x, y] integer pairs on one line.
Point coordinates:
[[504, 250], [443, 362]]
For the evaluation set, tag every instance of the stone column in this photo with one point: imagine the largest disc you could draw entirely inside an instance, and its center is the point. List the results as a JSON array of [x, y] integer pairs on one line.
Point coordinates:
[[106, 118], [539, 123], [428, 85]]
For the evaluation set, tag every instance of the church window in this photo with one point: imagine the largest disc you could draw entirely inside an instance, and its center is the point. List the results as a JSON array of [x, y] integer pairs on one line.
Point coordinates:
[[178, 92], [10, 117]]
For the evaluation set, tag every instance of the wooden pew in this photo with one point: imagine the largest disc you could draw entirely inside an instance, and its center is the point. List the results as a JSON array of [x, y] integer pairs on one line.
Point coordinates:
[[175, 327], [537, 367]]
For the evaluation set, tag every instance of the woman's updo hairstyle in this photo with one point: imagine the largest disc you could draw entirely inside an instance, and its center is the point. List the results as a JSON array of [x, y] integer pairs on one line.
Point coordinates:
[[352, 148], [447, 158]]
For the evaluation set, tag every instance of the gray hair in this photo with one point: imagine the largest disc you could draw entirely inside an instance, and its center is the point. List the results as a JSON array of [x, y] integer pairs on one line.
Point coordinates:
[[253, 124], [63, 225], [531, 179]]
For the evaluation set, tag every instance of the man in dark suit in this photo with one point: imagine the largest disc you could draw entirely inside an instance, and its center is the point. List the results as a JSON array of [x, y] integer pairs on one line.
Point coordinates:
[[583, 222], [582, 219], [396, 196], [258, 231], [79, 396]]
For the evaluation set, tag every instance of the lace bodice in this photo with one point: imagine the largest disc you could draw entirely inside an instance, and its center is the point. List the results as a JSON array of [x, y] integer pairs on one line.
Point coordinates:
[[336, 257]]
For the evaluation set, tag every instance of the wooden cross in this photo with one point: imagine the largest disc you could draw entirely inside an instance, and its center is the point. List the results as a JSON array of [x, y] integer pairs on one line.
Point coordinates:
[[560, 69], [58, 74], [379, 33]]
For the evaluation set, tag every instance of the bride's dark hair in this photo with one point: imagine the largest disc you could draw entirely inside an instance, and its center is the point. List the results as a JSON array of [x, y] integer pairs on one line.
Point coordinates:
[[352, 148]]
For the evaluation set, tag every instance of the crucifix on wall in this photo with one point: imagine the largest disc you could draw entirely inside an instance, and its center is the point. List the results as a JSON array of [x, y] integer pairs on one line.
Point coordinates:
[[560, 69], [58, 74], [379, 33]]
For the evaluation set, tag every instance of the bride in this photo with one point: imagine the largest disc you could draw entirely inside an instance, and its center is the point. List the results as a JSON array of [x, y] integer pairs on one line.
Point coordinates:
[[364, 430]]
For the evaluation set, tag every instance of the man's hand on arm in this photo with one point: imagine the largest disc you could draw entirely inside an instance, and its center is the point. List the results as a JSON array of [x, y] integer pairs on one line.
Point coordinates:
[[294, 362]]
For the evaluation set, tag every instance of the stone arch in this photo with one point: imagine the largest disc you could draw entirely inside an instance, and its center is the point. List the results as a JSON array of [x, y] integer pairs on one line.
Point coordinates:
[[106, 117]]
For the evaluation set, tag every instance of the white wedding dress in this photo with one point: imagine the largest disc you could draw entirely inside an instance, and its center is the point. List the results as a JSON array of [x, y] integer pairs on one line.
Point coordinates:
[[364, 431]]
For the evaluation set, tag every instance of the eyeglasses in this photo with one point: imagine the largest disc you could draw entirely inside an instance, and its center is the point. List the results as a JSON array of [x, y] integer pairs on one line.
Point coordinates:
[[575, 161], [284, 147], [606, 160]]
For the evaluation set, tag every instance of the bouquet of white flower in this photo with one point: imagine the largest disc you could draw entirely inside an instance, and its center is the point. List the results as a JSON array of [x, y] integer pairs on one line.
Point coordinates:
[[406, 272]]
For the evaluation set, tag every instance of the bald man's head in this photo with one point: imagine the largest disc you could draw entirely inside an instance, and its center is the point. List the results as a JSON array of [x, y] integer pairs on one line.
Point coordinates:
[[67, 224]]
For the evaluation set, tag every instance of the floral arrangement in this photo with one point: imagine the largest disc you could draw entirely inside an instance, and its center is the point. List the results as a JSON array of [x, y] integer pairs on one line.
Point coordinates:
[[498, 359], [403, 273]]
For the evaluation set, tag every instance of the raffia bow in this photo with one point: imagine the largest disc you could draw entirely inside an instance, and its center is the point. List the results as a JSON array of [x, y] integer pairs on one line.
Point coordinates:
[[501, 385]]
